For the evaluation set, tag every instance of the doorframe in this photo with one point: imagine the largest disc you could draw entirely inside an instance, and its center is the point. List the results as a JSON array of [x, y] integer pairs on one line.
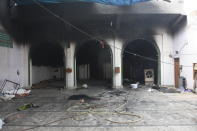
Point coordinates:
[[75, 59], [150, 40], [176, 71]]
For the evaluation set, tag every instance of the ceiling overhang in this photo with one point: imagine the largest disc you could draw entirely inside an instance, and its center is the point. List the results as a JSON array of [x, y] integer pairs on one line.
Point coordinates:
[[107, 2]]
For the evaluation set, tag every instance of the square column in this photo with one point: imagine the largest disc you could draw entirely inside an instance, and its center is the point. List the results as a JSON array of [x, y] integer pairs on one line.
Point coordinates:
[[70, 65], [116, 47]]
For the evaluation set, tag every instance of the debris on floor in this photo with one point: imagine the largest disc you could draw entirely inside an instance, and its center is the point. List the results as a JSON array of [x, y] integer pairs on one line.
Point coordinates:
[[85, 86], [19, 92], [1, 123], [15, 85], [82, 96], [13, 116], [82, 101], [189, 90], [116, 107], [6, 97], [10, 94], [150, 90], [156, 87], [116, 92], [41, 84], [109, 109], [27, 106], [134, 86], [169, 90], [111, 93], [183, 90]]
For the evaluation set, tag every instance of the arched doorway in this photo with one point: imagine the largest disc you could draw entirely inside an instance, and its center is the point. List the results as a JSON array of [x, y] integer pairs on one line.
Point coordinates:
[[47, 63], [94, 64], [139, 56]]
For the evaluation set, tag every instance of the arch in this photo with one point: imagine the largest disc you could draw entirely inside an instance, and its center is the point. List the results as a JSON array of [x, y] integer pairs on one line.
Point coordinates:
[[46, 62], [157, 60], [105, 76]]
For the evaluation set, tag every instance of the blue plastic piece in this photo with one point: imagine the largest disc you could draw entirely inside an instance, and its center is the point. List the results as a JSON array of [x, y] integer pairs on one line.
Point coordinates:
[[107, 2]]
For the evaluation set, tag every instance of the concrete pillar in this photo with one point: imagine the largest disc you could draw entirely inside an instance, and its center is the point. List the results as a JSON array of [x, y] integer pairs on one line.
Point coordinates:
[[26, 67], [116, 46], [70, 65]]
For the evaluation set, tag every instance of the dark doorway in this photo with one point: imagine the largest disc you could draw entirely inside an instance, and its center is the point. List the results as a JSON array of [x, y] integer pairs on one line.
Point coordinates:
[[47, 63], [139, 56], [94, 64]]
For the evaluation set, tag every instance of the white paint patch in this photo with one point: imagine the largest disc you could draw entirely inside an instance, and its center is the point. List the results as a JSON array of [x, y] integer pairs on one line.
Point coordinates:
[[1, 123]]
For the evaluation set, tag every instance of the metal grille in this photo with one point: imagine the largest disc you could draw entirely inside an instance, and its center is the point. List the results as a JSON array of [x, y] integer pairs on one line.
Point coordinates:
[[5, 40]]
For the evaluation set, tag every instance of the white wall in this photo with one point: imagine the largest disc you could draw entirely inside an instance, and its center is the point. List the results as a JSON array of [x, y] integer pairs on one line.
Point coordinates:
[[180, 40], [11, 60], [40, 73], [189, 54], [185, 42], [165, 44], [16, 58]]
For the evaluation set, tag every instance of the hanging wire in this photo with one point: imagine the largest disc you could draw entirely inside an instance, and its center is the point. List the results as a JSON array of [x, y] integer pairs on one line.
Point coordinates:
[[65, 21], [94, 37]]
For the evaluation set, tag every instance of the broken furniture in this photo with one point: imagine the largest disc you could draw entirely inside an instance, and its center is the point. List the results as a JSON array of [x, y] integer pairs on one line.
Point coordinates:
[[16, 86]]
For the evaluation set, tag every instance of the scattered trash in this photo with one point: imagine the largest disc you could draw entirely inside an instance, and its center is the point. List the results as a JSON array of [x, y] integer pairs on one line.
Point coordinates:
[[1, 123], [156, 87], [84, 86], [181, 89], [17, 92], [13, 116], [82, 101], [80, 97], [111, 93], [169, 90], [150, 90], [188, 90], [27, 106], [117, 92], [16, 85], [8, 95], [42, 84], [134, 86]]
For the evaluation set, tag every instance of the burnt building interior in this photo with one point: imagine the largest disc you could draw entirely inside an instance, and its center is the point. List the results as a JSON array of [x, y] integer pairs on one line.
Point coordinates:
[[33, 24], [139, 55], [114, 65], [47, 54], [94, 63], [47, 63]]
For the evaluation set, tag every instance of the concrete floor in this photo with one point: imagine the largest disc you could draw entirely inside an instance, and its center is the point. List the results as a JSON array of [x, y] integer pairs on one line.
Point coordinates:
[[156, 111]]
